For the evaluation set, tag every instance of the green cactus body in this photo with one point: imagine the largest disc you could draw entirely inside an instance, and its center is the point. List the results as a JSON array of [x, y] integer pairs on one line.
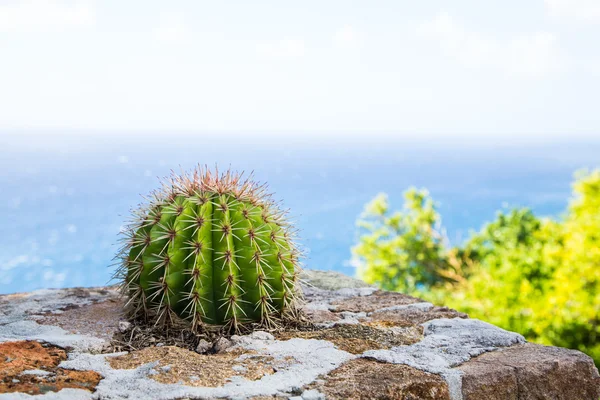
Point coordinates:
[[213, 250]]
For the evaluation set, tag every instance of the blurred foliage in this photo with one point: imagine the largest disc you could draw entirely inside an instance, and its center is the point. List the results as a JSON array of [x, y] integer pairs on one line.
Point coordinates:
[[536, 276], [403, 250]]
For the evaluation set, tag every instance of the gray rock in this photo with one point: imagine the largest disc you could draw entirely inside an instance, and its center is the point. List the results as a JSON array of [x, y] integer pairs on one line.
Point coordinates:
[[203, 346], [424, 306], [456, 358], [222, 344], [530, 371], [330, 280], [64, 394], [312, 395], [124, 326], [31, 330], [311, 359], [36, 372], [446, 344], [262, 335], [239, 368]]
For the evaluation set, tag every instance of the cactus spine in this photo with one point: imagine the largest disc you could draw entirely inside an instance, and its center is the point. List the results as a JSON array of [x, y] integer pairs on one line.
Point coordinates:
[[210, 248]]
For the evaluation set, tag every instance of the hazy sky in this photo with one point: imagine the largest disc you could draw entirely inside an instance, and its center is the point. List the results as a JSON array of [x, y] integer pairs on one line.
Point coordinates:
[[464, 66]]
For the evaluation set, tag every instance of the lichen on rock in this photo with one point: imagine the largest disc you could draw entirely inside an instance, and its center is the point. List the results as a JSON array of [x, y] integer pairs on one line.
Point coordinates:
[[358, 343]]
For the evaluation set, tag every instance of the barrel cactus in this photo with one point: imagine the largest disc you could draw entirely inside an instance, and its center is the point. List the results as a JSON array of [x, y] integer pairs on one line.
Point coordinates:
[[213, 249]]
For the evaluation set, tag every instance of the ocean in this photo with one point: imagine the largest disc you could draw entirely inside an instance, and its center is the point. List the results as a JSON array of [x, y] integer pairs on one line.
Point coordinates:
[[64, 198]]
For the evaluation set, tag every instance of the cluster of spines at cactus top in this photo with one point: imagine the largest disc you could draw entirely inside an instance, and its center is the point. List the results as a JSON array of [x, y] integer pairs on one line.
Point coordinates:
[[211, 248]]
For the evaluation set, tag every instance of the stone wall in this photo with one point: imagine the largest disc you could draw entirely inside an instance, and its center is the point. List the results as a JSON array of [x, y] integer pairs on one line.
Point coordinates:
[[363, 343]]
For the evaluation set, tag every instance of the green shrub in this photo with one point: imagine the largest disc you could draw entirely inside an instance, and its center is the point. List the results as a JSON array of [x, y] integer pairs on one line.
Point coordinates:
[[536, 276], [401, 250]]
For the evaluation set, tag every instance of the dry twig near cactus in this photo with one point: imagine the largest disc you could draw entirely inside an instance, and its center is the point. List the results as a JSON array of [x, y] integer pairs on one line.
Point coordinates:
[[213, 249]]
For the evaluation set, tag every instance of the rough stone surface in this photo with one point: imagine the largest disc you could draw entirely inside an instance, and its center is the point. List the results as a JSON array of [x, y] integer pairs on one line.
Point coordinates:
[[358, 338], [530, 371], [222, 344], [411, 314], [30, 316], [368, 379], [362, 344], [179, 365], [32, 368], [448, 343], [379, 300], [203, 346], [328, 281]]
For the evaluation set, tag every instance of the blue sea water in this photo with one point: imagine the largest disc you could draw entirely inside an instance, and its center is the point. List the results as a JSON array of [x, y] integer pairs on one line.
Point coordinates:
[[64, 198]]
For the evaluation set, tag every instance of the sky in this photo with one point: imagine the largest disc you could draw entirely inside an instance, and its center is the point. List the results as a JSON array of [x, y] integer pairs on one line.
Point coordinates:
[[466, 66]]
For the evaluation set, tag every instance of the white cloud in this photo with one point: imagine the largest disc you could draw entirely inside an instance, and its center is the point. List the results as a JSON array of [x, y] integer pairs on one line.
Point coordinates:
[[289, 48], [529, 55], [583, 10], [348, 38], [172, 29], [45, 15], [53, 277], [353, 262], [593, 67], [532, 55], [15, 262], [48, 274]]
